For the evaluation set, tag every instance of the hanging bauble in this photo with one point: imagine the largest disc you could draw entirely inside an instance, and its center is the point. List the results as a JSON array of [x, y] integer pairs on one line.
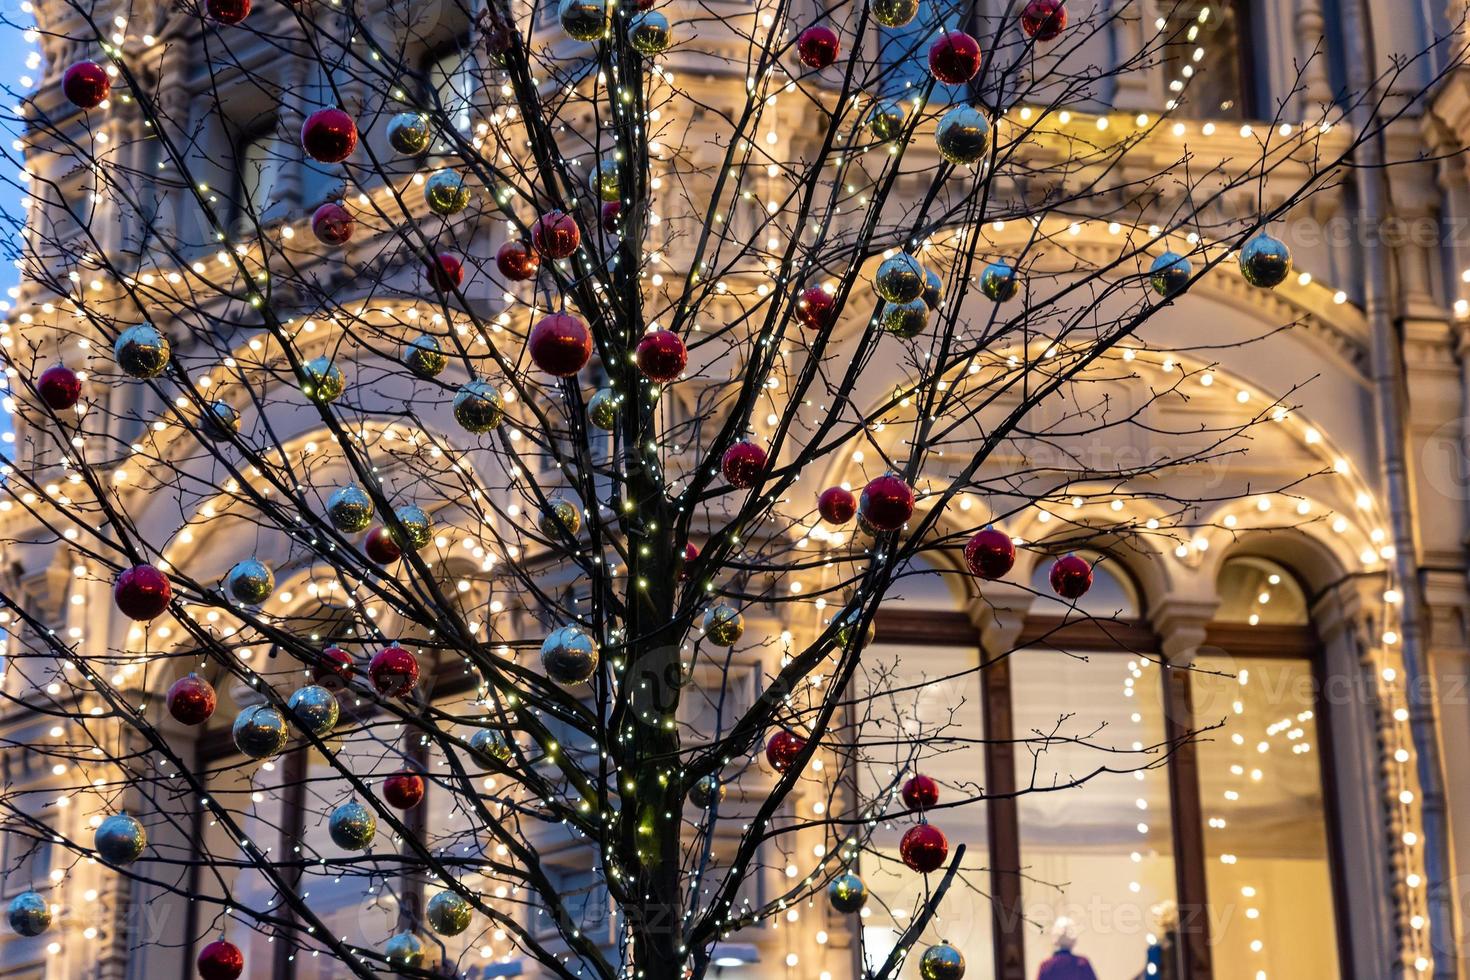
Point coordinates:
[[894, 13], [743, 464], [610, 217], [220, 960], [352, 826], [722, 625], [1169, 274], [409, 133], [322, 381], [490, 747], [478, 407], [560, 519], [448, 914], [923, 848], [191, 700], [1071, 576], [942, 962], [329, 136], [29, 914], [963, 135], [424, 357], [59, 387], [444, 272], [688, 558], [906, 320], [815, 308], [585, 20], [887, 502], [954, 57], [1265, 261], [602, 409], [705, 791], [332, 224], [555, 235], [380, 547], [260, 731], [405, 949], [649, 33], [418, 528], [998, 282], [86, 84], [219, 421], [847, 893], [500, 39], [314, 708], [818, 46], [120, 840], [661, 356], [605, 179], [885, 120], [350, 509], [990, 554], [334, 667], [900, 278], [403, 790], [560, 344], [569, 655], [250, 582], [837, 505], [920, 793], [142, 351], [933, 289], [1044, 20], [446, 192], [227, 11], [847, 625], [394, 671], [517, 261], [783, 748], [142, 593]]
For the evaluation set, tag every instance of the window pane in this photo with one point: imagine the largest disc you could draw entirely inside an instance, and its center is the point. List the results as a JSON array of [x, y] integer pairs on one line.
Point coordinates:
[[1270, 884], [1099, 854], [452, 77], [1261, 593], [259, 166], [1209, 59]]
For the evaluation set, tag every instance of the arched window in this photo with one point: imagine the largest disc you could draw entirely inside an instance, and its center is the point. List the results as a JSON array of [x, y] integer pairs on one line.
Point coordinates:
[[1209, 60]]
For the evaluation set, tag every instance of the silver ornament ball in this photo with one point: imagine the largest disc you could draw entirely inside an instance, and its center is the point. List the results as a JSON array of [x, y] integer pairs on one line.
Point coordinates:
[[963, 135], [569, 655], [706, 791], [900, 278], [1169, 274], [120, 840], [29, 914], [409, 133], [142, 351], [424, 357], [1265, 261], [448, 914], [478, 407], [418, 529], [723, 625], [219, 421], [321, 380], [585, 20], [885, 120], [998, 282], [650, 33], [942, 962], [314, 708], [446, 192], [352, 826], [350, 509], [260, 731], [489, 746], [906, 320], [250, 582]]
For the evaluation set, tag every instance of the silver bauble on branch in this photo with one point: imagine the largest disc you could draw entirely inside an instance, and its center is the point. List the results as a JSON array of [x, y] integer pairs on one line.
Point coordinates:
[[894, 13], [250, 582], [352, 826], [120, 840], [942, 962], [560, 519], [847, 624], [409, 133], [722, 625], [219, 421], [260, 731], [142, 351], [418, 528], [489, 746], [448, 914], [899, 278], [321, 380], [847, 893], [885, 120], [478, 407], [29, 915], [906, 320], [424, 357], [569, 655], [314, 708], [650, 33], [585, 20], [1169, 274], [933, 288], [999, 282], [350, 509], [1265, 261], [963, 135], [606, 179], [446, 192], [706, 791], [602, 409], [405, 949]]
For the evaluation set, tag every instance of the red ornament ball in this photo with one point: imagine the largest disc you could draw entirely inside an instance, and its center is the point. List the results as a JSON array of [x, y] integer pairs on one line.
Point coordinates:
[[394, 671], [612, 211], [742, 464], [59, 387], [661, 356], [142, 593], [329, 136], [560, 344], [445, 272], [1044, 20], [954, 58], [228, 11], [990, 554], [404, 790], [691, 555], [556, 235], [1071, 577], [887, 502], [923, 848], [221, 960], [191, 700], [332, 224], [86, 84], [518, 261], [816, 308], [836, 505], [782, 750], [920, 793], [818, 46], [336, 665], [380, 546]]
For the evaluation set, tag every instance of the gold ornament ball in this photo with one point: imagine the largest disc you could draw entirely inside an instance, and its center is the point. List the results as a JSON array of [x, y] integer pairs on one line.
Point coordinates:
[[418, 529], [478, 407], [847, 625], [723, 625], [602, 409], [650, 33], [350, 509], [963, 135], [448, 914], [885, 120], [585, 20], [942, 962], [142, 351], [409, 133], [446, 192], [906, 320], [424, 357], [894, 13], [321, 380], [560, 519]]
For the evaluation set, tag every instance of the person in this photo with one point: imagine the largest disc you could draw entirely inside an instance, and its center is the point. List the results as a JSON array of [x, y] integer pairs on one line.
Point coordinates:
[[1065, 964], [1162, 962]]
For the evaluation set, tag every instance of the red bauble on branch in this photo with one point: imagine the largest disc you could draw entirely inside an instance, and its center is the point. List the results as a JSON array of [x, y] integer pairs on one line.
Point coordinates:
[[336, 666], [920, 793], [403, 790], [380, 547], [923, 848], [661, 356], [954, 58], [887, 502], [227, 11], [743, 463], [86, 84], [444, 272], [816, 308], [329, 136], [142, 593], [220, 960], [1044, 19], [611, 216], [836, 505], [818, 46], [782, 750], [990, 554], [560, 344], [556, 235], [690, 556], [332, 224], [59, 387], [395, 671], [191, 700], [518, 261], [1071, 577]]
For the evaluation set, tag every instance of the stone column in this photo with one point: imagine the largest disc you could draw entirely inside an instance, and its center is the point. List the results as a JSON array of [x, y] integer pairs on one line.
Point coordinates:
[[1311, 50]]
